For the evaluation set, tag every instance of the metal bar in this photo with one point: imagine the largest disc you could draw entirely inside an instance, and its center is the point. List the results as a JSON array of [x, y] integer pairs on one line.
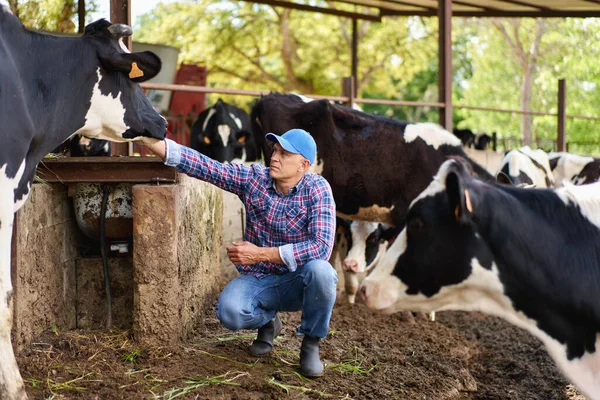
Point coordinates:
[[445, 62], [343, 99], [385, 4], [348, 89], [504, 110], [525, 4], [204, 89], [499, 13], [120, 13], [81, 16], [354, 71], [562, 111], [464, 3], [322, 10], [398, 102], [106, 169]]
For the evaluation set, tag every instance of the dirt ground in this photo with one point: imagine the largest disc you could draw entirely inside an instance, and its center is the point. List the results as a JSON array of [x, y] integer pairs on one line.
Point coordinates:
[[367, 356]]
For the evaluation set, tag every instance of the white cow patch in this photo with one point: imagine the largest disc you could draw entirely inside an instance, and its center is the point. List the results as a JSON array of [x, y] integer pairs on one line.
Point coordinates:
[[211, 112], [569, 166], [587, 197], [105, 118], [7, 210], [237, 121], [224, 132], [6, 8], [302, 97], [432, 134]]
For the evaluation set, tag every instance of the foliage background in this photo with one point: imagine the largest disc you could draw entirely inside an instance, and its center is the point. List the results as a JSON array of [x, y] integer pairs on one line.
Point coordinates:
[[495, 61]]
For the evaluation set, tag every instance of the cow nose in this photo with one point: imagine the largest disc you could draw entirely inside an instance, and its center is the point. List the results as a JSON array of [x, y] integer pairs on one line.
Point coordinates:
[[350, 265]]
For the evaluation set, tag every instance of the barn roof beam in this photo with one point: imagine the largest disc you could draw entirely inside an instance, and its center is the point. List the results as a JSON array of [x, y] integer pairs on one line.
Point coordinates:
[[322, 10]]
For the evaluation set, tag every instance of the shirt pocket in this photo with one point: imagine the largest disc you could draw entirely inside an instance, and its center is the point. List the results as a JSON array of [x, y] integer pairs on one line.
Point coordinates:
[[296, 220], [256, 207]]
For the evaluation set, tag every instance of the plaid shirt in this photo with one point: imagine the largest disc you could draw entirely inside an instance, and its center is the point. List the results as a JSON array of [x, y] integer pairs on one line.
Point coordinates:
[[301, 224]]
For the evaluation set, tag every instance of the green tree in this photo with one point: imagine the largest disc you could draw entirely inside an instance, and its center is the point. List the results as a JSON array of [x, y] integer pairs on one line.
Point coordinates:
[[271, 48], [517, 64], [50, 15]]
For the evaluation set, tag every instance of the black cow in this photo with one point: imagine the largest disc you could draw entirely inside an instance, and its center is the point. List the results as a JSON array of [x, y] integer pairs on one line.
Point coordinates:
[[531, 256], [574, 168], [375, 165], [223, 133], [50, 88], [466, 136]]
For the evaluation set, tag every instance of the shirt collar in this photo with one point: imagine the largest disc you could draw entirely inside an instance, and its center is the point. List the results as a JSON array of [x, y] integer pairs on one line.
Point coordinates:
[[293, 189]]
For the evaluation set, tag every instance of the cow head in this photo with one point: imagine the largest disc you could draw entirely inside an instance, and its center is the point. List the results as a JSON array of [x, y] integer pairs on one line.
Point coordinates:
[[438, 258], [221, 132], [119, 110], [367, 242]]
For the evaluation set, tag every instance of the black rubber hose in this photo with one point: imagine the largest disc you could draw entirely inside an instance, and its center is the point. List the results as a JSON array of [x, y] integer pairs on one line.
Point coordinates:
[[105, 192]]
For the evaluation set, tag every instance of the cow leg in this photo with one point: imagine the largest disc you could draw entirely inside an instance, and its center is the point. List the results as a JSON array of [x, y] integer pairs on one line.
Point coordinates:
[[351, 285], [11, 384]]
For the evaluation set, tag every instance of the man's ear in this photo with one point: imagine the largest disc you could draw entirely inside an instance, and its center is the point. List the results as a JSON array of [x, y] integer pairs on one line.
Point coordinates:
[[459, 198], [305, 166]]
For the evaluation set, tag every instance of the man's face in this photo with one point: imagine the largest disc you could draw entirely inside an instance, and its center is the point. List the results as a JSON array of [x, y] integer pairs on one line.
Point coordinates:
[[286, 165]]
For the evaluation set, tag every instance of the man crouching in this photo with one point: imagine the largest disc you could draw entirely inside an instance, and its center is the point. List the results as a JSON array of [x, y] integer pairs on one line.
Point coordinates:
[[290, 224]]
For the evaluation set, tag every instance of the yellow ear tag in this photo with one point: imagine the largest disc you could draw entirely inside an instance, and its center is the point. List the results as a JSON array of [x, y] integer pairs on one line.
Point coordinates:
[[242, 139], [206, 140], [468, 201], [457, 211], [135, 71]]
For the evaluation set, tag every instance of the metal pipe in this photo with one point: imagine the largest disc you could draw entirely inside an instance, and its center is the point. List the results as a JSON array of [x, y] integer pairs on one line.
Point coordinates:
[[105, 192]]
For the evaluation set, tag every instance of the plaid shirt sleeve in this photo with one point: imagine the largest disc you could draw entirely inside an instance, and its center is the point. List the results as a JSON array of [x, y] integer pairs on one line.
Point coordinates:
[[230, 177], [321, 230]]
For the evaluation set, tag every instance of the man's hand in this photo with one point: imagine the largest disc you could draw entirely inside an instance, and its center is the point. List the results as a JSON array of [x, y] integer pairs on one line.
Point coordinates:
[[244, 253], [156, 146]]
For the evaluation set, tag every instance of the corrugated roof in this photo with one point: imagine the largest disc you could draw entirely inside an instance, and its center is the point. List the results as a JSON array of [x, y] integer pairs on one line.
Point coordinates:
[[462, 8]]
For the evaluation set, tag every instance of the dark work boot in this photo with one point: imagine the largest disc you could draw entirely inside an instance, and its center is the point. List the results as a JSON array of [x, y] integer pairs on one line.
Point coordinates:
[[310, 363], [267, 333]]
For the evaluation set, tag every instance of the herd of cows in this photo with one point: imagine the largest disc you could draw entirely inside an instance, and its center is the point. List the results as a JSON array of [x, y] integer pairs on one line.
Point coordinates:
[[433, 229]]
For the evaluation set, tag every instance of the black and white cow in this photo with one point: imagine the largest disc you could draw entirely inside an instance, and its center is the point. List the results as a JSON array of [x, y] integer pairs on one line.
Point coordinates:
[[375, 165], [574, 168], [223, 133], [530, 256], [366, 243], [525, 167], [50, 88]]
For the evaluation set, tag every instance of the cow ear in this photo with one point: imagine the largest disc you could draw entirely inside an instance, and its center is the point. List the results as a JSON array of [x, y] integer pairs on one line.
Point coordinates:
[[139, 67], [459, 198]]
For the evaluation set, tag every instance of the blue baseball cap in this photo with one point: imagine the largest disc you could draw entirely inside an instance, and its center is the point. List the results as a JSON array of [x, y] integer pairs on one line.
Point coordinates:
[[296, 141]]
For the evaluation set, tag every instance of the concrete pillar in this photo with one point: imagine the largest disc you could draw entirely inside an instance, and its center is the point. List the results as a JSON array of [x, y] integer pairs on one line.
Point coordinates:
[[156, 288]]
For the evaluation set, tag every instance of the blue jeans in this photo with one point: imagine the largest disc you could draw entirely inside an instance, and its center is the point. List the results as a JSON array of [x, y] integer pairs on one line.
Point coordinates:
[[248, 302]]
